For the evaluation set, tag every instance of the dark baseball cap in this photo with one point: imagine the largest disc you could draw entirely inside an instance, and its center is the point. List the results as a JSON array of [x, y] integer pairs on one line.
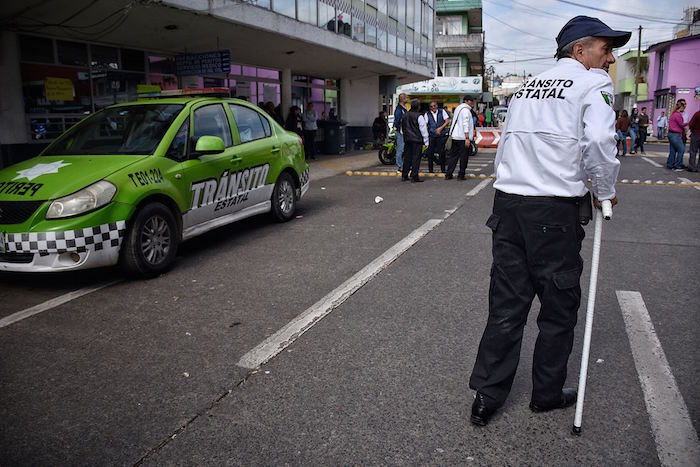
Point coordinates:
[[584, 26], [468, 97]]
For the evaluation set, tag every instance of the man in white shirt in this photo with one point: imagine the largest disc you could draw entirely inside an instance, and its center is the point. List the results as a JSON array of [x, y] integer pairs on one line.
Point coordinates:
[[559, 132], [661, 122], [462, 132]]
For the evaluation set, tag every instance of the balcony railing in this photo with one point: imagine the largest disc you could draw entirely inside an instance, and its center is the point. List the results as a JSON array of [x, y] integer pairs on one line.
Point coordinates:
[[457, 44]]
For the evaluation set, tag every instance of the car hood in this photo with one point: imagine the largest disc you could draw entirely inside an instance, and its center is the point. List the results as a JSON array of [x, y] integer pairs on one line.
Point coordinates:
[[50, 177]]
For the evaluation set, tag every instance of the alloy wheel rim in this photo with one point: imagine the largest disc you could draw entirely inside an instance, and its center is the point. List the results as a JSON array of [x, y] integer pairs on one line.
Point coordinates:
[[286, 197], [155, 240]]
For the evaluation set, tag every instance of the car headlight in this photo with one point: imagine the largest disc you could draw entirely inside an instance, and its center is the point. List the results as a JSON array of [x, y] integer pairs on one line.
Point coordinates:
[[85, 200]]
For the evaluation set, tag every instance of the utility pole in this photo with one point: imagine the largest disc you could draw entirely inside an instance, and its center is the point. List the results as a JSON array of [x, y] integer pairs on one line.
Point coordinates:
[[639, 68]]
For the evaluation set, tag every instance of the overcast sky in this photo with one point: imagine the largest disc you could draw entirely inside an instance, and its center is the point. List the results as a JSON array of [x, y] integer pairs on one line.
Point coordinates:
[[541, 20]]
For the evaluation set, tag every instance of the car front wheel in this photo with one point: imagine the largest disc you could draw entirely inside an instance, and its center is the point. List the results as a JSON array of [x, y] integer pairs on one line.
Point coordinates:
[[284, 199], [151, 242]]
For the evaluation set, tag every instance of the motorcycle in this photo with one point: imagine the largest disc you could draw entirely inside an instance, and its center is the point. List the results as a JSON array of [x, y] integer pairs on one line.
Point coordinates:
[[387, 151]]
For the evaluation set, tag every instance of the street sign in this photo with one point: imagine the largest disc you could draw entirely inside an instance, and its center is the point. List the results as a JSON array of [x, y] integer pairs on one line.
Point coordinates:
[[203, 63]]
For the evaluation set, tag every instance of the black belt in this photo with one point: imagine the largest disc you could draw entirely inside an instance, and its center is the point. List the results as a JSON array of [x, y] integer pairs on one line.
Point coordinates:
[[674, 132], [563, 199]]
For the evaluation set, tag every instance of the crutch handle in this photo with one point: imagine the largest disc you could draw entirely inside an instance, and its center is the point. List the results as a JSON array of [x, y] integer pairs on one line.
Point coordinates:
[[606, 207]]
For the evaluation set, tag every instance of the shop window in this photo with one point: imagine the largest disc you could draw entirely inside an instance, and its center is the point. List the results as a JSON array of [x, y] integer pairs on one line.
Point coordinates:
[[307, 11], [269, 92], [133, 60], [72, 53], [249, 123], [285, 7], [36, 49], [266, 73], [160, 64], [211, 120], [104, 58]]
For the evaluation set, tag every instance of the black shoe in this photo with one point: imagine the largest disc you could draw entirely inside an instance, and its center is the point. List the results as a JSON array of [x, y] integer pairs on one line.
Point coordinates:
[[417, 180], [481, 413], [460, 177], [568, 398], [448, 177], [404, 179]]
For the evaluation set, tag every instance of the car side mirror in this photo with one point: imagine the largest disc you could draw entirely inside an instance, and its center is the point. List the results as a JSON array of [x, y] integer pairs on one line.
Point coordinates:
[[209, 145]]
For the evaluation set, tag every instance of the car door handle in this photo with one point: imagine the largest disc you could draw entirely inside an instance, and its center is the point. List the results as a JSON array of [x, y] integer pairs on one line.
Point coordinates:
[[275, 149], [236, 159]]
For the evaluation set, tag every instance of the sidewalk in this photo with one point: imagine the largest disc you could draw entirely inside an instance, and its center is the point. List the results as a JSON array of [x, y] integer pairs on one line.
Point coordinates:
[[328, 165]]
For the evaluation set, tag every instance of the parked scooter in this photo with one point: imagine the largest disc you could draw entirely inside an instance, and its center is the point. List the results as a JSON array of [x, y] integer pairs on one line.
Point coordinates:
[[387, 151]]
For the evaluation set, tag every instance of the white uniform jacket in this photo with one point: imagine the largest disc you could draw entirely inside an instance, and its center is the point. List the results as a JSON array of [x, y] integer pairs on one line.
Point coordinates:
[[559, 131]]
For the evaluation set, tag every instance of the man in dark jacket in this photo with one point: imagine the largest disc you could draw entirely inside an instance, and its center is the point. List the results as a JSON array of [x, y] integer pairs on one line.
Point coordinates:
[[415, 134]]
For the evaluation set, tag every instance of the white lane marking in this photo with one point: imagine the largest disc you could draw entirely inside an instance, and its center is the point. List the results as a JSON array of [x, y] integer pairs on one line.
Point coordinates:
[[280, 340], [676, 440], [654, 163], [687, 180], [53, 303], [474, 191], [302, 323]]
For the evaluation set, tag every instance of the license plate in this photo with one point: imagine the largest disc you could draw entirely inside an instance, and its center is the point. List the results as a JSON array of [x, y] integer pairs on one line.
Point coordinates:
[[2, 242]]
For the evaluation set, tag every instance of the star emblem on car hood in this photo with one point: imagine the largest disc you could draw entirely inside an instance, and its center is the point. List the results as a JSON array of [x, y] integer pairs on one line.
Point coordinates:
[[40, 169]]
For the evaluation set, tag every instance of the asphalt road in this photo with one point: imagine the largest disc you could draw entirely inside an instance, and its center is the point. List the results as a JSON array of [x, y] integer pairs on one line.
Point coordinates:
[[146, 371]]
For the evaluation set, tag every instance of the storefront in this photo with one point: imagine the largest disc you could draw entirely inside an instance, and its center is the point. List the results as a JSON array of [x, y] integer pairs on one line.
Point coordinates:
[[62, 81]]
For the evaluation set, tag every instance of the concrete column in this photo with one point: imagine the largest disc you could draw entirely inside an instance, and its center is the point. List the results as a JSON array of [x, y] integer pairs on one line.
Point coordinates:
[[13, 125], [286, 92]]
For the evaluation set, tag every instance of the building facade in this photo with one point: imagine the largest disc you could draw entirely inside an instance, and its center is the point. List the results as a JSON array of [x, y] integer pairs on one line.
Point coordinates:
[[627, 80], [60, 61], [459, 54], [674, 73]]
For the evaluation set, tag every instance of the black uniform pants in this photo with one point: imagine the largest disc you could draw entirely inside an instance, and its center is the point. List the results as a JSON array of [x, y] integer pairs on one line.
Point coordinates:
[[536, 246], [459, 152], [436, 144], [411, 159]]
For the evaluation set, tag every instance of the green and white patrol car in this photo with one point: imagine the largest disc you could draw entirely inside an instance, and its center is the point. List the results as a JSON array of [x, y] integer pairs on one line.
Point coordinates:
[[129, 183]]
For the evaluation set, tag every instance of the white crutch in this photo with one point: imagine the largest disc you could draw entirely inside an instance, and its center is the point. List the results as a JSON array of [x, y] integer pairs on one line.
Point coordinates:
[[604, 212]]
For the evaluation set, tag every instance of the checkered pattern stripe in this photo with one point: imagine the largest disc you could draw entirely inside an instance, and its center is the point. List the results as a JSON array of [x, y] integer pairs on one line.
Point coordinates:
[[95, 238], [305, 177]]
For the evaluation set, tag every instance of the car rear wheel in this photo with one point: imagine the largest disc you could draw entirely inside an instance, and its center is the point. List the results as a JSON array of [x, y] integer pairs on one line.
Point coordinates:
[[151, 243], [284, 200]]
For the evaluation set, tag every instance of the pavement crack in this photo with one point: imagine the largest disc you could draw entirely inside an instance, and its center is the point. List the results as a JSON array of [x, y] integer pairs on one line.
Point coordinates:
[[192, 419]]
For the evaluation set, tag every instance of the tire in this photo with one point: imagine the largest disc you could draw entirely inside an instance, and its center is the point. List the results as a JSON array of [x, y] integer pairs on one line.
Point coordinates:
[[151, 243], [385, 157], [284, 199]]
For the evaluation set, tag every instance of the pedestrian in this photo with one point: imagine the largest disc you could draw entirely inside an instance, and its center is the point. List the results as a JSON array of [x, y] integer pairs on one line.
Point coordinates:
[[676, 128], [437, 120], [643, 126], [694, 127], [294, 121], [634, 130], [550, 146], [489, 114], [622, 128], [398, 114], [415, 134], [462, 133], [661, 122], [379, 128], [310, 126]]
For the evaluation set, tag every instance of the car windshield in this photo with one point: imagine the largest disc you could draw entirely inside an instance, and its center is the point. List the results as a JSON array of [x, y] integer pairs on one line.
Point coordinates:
[[133, 129]]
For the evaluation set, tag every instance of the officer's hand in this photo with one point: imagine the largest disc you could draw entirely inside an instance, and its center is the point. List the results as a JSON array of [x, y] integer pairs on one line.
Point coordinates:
[[467, 142], [438, 130], [597, 204]]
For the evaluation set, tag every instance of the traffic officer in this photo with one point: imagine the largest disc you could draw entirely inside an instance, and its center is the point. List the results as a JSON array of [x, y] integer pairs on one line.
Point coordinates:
[[415, 132], [559, 133]]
